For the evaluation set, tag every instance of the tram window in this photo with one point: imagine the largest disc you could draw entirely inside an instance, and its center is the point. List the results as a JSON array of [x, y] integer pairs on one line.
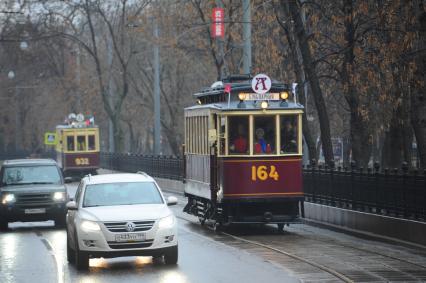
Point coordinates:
[[238, 127], [92, 145], [70, 143], [264, 135], [289, 140], [222, 137], [81, 142]]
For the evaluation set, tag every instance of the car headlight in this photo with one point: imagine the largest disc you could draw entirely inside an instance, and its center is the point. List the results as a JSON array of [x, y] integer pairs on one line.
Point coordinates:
[[166, 222], [89, 226], [59, 196], [8, 198]]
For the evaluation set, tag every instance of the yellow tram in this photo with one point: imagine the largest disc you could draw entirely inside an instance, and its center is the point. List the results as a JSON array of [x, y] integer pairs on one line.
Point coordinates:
[[77, 149]]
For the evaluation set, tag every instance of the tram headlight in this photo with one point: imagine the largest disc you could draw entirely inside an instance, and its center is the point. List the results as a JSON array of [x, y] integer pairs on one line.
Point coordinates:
[[284, 95], [264, 104], [242, 96]]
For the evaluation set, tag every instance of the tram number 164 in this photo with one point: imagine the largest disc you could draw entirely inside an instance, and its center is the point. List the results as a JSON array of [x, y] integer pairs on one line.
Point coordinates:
[[263, 173]]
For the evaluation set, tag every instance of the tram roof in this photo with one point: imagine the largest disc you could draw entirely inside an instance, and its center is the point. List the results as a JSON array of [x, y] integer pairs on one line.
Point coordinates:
[[214, 97], [75, 127], [238, 83], [248, 106]]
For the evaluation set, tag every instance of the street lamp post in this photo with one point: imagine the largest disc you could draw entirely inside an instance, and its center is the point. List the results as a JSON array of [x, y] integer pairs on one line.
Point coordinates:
[[18, 127], [18, 135]]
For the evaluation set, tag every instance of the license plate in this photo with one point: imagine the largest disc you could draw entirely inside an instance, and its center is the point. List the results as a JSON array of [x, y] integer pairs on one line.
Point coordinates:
[[130, 237], [35, 210]]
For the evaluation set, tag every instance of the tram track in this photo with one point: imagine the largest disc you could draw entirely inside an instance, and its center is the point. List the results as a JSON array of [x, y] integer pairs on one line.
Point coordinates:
[[323, 268], [387, 267], [368, 251], [419, 273]]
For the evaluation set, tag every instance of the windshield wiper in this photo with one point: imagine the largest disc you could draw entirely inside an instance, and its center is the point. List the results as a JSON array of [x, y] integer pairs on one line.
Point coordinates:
[[94, 205]]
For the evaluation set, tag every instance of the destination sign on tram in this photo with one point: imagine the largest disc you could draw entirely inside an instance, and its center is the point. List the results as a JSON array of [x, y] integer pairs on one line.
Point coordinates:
[[262, 96]]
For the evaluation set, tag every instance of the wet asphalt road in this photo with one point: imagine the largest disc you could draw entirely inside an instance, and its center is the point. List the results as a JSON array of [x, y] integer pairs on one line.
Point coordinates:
[[36, 252]]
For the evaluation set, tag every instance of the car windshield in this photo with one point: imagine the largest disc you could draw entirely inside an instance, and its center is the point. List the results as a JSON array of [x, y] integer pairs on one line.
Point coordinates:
[[40, 174], [122, 193]]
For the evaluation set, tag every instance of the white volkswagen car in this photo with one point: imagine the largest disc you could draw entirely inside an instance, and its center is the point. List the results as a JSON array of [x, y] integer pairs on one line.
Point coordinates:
[[117, 215]]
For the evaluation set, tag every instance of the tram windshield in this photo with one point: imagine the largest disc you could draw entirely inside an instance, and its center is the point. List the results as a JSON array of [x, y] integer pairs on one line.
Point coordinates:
[[289, 141], [92, 145], [70, 143], [264, 135], [274, 134]]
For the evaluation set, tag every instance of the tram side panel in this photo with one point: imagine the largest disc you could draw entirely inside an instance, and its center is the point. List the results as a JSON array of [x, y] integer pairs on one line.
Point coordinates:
[[80, 162], [252, 178], [263, 190]]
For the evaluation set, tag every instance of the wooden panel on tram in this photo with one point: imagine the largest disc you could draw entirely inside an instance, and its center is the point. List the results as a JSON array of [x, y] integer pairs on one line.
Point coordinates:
[[271, 177], [79, 160]]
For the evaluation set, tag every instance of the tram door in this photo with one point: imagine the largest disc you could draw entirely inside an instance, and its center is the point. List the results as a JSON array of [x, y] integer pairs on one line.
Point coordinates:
[[214, 164]]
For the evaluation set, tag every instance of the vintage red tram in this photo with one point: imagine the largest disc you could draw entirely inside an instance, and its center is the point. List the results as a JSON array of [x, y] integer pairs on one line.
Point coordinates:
[[77, 147], [243, 153]]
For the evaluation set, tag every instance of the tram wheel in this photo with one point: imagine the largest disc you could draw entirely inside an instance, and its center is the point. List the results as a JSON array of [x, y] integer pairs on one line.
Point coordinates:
[[202, 220], [217, 226], [280, 227]]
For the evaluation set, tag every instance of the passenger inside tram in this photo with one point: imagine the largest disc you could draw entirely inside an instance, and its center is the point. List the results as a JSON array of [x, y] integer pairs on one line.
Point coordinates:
[[240, 142], [261, 145], [81, 145], [289, 134], [264, 135], [238, 135]]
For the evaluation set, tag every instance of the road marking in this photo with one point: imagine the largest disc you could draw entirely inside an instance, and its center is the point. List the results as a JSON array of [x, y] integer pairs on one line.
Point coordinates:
[[58, 262]]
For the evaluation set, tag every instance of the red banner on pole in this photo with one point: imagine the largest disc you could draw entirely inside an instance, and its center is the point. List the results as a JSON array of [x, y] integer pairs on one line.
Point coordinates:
[[218, 26]]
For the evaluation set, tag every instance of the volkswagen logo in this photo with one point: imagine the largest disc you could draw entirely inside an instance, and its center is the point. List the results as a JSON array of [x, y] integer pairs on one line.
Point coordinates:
[[130, 226]]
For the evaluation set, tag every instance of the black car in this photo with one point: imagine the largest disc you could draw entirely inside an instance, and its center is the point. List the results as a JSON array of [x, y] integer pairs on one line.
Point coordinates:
[[32, 190]]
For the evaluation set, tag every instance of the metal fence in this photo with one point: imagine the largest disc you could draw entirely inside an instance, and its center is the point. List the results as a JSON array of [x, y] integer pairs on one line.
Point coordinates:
[[168, 167], [397, 192]]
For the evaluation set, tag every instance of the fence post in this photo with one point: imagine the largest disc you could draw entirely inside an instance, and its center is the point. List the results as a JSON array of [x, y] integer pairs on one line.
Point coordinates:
[[353, 167], [331, 183], [313, 180], [404, 188], [377, 176]]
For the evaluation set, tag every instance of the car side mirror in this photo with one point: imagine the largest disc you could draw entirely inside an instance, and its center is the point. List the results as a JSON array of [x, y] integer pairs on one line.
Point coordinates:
[[68, 180], [71, 205], [172, 201]]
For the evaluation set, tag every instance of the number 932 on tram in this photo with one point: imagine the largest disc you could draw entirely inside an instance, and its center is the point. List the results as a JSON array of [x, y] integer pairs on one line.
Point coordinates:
[[243, 153]]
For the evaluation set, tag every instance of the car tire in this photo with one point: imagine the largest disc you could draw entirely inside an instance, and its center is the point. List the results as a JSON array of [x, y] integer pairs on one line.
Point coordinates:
[[171, 256], [81, 258], [3, 225], [70, 252]]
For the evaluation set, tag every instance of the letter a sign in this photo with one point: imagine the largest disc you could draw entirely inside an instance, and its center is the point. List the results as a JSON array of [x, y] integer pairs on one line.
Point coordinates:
[[261, 84]]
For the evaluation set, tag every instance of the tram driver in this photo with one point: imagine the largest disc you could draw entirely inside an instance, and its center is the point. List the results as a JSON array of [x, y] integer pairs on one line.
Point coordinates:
[[288, 136], [261, 145]]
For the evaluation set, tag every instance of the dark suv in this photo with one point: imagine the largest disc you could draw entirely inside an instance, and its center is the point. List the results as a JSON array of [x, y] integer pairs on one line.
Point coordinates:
[[32, 190]]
